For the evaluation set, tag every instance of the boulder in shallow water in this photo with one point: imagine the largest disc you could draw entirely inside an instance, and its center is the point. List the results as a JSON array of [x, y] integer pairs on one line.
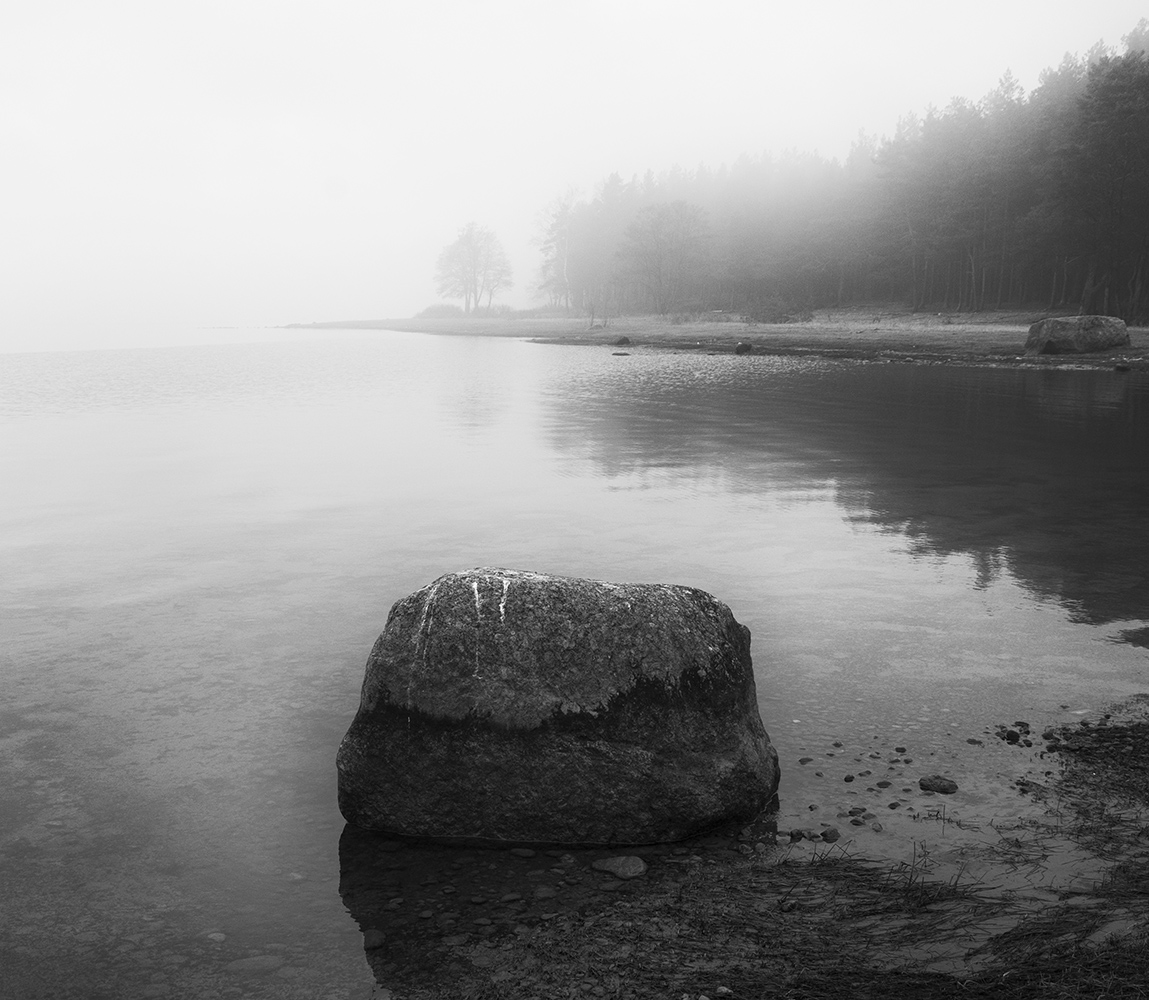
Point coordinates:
[[502, 706], [1076, 335]]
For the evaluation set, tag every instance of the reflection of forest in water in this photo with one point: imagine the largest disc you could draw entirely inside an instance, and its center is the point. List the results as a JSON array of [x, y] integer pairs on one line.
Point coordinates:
[[1043, 472]]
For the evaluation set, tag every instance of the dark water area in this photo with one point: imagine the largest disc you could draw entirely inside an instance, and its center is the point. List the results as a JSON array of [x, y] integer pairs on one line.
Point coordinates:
[[1041, 472], [200, 546]]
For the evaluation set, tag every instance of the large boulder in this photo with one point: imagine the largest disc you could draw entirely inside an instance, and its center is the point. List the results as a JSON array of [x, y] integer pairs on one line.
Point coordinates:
[[1076, 335], [502, 707]]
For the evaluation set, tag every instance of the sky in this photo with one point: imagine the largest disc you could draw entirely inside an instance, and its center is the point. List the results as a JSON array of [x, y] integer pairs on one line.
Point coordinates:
[[176, 172]]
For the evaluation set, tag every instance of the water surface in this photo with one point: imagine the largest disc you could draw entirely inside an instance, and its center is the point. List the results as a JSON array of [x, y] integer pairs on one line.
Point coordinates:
[[200, 546]]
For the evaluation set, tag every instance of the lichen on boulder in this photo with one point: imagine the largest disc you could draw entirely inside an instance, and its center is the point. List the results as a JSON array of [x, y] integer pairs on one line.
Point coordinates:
[[502, 706]]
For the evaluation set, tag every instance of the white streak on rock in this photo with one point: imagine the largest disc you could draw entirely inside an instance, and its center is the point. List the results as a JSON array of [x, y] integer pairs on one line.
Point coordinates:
[[478, 621]]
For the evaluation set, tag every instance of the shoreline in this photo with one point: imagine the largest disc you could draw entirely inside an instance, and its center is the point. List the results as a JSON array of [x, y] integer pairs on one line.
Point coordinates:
[[877, 334], [727, 914]]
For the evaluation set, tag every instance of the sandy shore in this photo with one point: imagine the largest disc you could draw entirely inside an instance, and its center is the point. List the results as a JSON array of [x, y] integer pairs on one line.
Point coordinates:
[[876, 334]]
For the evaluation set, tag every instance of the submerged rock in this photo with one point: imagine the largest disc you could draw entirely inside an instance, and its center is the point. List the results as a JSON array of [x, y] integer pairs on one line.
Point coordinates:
[[624, 866], [1076, 335], [502, 706]]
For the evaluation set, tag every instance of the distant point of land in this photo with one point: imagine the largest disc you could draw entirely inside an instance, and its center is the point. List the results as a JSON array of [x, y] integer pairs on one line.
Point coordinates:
[[879, 332]]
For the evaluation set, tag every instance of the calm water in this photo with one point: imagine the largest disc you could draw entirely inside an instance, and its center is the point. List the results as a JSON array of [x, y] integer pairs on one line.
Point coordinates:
[[200, 545]]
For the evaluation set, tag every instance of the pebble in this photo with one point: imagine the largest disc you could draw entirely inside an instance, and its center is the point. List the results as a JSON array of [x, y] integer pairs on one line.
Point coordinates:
[[830, 834], [522, 852], [805, 760], [623, 866], [545, 892], [937, 783], [373, 938]]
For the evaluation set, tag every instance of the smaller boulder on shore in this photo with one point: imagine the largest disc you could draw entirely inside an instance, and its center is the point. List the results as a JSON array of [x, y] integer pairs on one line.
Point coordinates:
[[1076, 335]]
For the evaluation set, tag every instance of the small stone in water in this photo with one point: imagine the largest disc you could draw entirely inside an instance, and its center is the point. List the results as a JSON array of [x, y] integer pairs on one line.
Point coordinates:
[[623, 866], [937, 783]]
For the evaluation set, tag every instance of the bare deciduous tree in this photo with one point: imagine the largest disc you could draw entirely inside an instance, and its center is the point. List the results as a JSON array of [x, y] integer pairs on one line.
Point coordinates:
[[472, 267]]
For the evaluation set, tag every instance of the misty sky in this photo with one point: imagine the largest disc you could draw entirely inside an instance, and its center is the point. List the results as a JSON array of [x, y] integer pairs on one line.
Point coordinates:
[[170, 167]]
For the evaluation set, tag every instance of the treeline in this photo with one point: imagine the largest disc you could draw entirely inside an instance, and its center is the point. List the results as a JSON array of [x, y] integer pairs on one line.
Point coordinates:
[[1013, 201]]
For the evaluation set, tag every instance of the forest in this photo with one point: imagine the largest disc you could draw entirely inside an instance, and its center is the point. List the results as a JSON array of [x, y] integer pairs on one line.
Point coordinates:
[[1012, 201]]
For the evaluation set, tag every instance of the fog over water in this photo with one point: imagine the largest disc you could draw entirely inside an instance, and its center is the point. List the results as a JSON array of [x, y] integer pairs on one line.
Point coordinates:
[[201, 544], [204, 518], [172, 173]]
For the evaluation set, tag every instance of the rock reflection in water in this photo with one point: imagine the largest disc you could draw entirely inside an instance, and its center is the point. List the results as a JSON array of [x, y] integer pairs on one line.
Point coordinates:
[[427, 911]]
